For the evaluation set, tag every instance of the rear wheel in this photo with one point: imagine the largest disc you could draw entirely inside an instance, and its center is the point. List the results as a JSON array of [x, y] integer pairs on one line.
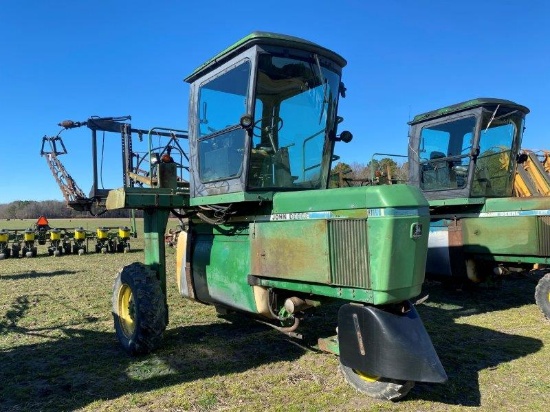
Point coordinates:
[[542, 295], [375, 386], [139, 309]]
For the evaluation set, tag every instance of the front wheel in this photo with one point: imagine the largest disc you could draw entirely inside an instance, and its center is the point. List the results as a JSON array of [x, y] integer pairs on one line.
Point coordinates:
[[139, 309], [542, 295], [375, 386]]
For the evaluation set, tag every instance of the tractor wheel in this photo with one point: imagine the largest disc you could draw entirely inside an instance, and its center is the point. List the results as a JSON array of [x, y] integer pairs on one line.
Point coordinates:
[[5, 253], [139, 309], [542, 295], [376, 387], [34, 251]]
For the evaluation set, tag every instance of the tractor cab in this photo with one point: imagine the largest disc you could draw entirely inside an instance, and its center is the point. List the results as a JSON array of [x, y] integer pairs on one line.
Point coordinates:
[[262, 118], [467, 150]]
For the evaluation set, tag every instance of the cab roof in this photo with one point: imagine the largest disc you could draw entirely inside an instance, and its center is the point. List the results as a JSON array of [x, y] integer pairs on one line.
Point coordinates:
[[490, 103], [265, 38]]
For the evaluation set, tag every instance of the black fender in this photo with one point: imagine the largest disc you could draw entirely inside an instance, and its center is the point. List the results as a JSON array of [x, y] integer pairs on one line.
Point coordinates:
[[386, 344]]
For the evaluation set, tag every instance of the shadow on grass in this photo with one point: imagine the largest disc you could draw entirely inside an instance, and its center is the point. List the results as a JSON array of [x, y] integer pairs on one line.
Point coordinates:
[[33, 274], [85, 366], [464, 349]]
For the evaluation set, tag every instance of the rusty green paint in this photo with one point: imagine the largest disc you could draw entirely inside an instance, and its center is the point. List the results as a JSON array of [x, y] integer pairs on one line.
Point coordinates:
[[494, 235], [220, 267], [141, 198], [291, 250], [469, 104], [517, 203], [154, 228]]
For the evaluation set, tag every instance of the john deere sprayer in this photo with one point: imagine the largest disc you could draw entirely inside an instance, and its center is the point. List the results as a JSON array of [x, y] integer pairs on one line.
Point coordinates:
[[464, 158], [263, 234]]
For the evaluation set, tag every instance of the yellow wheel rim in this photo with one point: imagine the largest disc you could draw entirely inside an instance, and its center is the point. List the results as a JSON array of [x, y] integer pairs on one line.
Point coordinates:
[[367, 378], [126, 310]]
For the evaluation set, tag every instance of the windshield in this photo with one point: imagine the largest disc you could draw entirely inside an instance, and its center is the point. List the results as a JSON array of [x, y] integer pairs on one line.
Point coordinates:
[[294, 112], [445, 154], [494, 170], [446, 151]]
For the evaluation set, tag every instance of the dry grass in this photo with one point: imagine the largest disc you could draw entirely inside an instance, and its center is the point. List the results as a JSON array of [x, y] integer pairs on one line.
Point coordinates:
[[58, 350]]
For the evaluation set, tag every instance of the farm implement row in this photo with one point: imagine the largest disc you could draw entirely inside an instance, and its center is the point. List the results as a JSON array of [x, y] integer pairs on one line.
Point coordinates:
[[17, 243]]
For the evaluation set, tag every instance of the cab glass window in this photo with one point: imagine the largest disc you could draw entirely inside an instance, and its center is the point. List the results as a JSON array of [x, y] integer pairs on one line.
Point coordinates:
[[222, 101], [444, 154]]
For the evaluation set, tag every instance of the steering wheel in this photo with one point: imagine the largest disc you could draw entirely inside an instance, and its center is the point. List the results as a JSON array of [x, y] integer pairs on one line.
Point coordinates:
[[275, 124]]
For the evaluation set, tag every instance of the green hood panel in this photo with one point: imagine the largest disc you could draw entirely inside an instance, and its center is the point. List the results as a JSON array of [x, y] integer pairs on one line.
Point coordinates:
[[517, 204], [394, 196]]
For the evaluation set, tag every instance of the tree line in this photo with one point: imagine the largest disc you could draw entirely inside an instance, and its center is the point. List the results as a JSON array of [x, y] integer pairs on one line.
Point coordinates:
[[383, 171], [52, 209]]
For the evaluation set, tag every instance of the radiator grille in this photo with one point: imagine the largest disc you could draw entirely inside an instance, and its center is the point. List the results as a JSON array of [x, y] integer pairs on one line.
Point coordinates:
[[349, 257], [544, 235]]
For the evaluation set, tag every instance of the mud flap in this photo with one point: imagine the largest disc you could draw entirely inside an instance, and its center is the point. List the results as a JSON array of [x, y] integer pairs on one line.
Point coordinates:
[[389, 345]]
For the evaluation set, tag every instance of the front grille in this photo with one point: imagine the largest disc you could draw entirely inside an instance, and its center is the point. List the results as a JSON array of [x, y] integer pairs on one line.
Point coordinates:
[[349, 257], [543, 223]]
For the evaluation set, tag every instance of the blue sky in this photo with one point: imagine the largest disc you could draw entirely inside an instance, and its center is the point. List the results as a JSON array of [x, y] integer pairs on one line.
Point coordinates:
[[74, 59]]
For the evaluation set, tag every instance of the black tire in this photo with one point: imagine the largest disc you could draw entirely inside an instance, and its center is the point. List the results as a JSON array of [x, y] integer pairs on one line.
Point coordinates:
[[376, 387], [542, 295], [139, 309], [15, 251], [34, 251]]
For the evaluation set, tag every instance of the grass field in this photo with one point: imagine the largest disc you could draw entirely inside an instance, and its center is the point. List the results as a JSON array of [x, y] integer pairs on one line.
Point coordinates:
[[58, 350]]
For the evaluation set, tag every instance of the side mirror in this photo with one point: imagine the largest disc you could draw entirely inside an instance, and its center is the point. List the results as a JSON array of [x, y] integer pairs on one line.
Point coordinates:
[[345, 137]]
